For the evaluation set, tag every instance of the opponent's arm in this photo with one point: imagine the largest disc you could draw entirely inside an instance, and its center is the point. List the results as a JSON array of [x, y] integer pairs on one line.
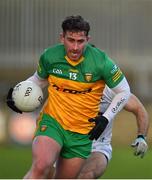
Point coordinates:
[[136, 107], [122, 93]]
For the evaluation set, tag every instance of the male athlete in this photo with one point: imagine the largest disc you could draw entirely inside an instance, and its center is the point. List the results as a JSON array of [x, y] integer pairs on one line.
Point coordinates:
[[96, 164], [77, 74]]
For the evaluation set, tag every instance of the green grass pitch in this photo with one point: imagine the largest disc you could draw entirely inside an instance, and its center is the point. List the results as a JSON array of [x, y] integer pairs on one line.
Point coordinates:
[[15, 161]]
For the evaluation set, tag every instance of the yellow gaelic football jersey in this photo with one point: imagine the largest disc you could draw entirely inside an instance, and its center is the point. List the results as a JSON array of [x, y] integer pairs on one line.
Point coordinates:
[[75, 90]]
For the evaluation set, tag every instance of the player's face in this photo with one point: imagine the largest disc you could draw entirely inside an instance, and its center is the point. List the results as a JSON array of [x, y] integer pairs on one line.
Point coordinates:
[[74, 43]]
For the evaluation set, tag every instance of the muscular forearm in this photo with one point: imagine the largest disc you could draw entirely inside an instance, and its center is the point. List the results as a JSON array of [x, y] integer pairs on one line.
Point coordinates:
[[142, 121], [136, 107]]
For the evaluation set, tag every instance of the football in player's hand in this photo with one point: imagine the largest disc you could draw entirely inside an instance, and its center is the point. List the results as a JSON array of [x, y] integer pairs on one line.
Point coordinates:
[[27, 96]]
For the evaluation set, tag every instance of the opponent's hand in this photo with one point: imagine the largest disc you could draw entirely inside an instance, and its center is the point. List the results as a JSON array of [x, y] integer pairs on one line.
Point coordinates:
[[100, 125], [10, 102], [140, 146]]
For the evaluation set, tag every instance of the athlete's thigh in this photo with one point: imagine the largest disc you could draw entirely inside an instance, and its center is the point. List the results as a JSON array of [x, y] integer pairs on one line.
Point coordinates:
[[94, 166], [68, 168], [45, 150]]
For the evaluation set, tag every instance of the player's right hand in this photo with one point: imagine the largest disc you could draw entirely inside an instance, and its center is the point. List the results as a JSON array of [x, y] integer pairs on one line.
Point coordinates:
[[140, 146], [11, 103]]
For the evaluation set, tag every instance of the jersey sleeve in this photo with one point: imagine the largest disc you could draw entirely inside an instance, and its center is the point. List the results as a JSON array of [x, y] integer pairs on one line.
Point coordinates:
[[112, 73], [42, 67]]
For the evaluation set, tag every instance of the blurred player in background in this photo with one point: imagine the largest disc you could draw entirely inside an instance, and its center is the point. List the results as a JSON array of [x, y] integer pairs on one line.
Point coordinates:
[[77, 74], [101, 154]]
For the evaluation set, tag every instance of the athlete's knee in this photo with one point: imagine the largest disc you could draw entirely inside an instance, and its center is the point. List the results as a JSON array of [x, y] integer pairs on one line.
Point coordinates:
[[100, 169], [86, 175], [98, 173], [41, 167], [92, 174], [88, 171], [94, 167]]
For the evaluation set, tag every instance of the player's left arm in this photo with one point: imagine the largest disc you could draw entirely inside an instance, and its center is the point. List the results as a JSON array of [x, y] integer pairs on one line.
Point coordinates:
[[135, 106]]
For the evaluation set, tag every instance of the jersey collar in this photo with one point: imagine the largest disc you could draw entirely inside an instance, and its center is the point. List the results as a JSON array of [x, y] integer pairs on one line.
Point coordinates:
[[74, 63]]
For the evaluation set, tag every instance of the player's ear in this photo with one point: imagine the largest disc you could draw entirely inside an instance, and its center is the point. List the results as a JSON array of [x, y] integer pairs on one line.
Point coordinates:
[[61, 37], [88, 38]]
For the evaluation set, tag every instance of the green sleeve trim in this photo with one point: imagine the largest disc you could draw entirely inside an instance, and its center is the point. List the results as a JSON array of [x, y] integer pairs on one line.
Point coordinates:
[[42, 66], [112, 73]]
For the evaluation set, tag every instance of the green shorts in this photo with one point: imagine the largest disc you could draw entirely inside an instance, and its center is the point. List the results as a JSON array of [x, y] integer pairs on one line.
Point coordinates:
[[73, 144]]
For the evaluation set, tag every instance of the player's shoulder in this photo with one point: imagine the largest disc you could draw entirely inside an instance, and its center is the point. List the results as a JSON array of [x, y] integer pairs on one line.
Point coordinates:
[[94, 50], [94, 56]]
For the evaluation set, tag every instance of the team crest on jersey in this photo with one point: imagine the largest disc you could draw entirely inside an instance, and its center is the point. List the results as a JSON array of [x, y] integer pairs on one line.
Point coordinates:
[[43, 128], [88, 77]]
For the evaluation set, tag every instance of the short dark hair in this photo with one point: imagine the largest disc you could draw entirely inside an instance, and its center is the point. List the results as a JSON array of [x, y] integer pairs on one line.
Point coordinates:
[[75, 24]]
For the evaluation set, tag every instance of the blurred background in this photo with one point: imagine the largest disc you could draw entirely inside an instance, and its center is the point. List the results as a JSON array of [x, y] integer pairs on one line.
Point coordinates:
[[122, 28]]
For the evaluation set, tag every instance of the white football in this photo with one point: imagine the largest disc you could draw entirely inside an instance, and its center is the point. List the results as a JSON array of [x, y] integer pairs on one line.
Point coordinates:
[[27, 95]]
